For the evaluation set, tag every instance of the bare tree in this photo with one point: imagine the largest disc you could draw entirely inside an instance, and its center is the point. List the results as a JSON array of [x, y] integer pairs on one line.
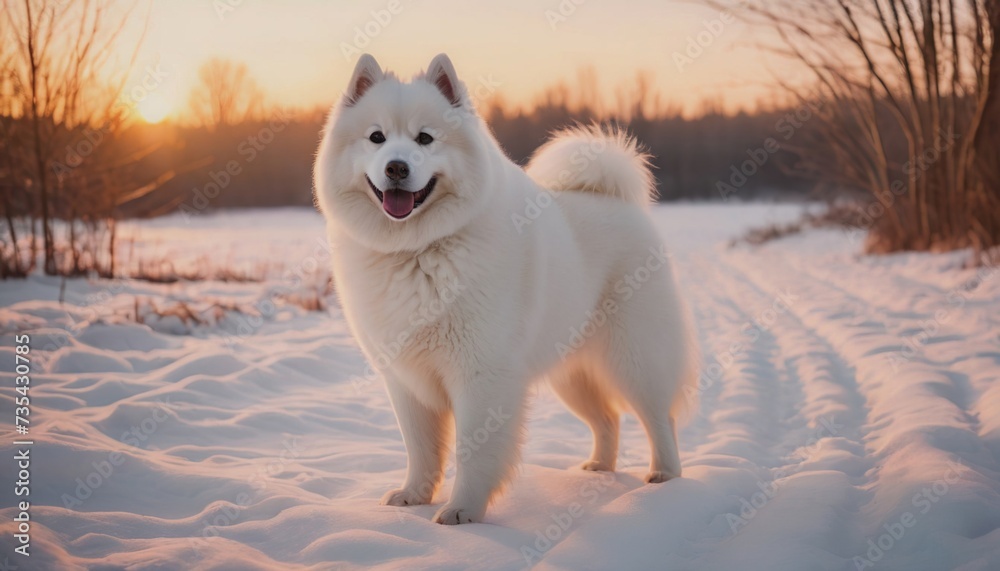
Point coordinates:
[[906, 98], [62, 105], [55, 88], [987, 135], [226, 94], [12, 159]]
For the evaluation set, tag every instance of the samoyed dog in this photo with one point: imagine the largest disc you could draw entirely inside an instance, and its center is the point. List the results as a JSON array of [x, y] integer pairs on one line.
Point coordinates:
[[465, 278]]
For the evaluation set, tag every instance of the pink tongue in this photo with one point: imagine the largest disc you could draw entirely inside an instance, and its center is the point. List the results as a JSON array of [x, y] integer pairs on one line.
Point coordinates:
[[398, 203]]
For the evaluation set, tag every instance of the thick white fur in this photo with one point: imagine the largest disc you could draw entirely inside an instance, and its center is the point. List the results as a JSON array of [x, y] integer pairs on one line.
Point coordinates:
[[495, 282]]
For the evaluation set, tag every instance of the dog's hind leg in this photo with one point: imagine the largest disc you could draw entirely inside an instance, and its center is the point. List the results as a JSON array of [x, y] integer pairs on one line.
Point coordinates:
[[426, 433], [648, 376], [579, 387]]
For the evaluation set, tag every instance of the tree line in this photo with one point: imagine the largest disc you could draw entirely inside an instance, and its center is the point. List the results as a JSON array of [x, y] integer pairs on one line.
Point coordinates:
[[893, 105]]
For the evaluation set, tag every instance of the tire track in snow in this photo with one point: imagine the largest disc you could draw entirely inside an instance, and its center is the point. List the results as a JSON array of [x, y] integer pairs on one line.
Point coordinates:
[[736, 376], [918, 334], [822, 373], [823, 385], [929, 325], [897, 341], [918, 425], [789, 400]]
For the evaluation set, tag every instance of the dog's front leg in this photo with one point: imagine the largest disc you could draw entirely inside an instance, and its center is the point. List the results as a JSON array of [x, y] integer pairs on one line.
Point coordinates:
[[489, 411], [425, 434]]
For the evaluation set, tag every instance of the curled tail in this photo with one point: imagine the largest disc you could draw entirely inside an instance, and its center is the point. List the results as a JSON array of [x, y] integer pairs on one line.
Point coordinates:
[[601, 160]]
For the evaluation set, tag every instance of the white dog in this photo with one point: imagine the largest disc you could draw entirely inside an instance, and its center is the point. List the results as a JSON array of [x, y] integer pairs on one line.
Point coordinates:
[[465, 278]]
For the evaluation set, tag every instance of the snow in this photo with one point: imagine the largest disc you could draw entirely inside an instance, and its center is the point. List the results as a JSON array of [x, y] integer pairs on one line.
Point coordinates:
[[848, 418]]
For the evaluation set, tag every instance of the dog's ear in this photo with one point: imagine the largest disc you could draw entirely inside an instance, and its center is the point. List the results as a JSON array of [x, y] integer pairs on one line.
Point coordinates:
[[366, 74], [442, 74]]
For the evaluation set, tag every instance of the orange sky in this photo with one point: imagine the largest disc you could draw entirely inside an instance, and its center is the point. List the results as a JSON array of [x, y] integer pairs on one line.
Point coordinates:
[[295, 48]]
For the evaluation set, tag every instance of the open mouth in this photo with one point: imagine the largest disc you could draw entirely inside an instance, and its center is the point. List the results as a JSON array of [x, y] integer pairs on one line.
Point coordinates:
[[399, 203]]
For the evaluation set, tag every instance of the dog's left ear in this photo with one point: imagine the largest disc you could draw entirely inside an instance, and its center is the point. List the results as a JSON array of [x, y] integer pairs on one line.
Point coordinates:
[[442, 74]]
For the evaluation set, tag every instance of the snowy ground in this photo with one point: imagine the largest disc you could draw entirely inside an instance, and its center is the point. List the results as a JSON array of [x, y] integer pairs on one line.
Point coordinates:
[[849, 419]]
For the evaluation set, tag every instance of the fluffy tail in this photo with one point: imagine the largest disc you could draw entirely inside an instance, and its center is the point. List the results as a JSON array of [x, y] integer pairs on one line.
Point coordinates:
[[601, 160]]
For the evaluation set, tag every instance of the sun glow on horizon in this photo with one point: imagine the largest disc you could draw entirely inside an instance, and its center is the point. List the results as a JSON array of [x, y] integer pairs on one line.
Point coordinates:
[[154, 108], [309, 68]]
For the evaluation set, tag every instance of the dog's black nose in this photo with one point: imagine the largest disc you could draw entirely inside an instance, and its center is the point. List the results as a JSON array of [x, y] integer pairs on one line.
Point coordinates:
[[397, 170]]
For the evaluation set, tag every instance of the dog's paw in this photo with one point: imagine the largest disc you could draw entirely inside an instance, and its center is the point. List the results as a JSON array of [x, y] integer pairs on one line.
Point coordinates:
[[658, 477], [449, 515], [597, 466], [403, 497]]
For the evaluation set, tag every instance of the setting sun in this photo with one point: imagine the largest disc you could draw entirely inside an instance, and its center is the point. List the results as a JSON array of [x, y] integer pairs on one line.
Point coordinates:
[[154, 108]]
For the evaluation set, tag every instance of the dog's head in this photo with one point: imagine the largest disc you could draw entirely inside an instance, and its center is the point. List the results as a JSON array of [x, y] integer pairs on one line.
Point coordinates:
[[403, 164]]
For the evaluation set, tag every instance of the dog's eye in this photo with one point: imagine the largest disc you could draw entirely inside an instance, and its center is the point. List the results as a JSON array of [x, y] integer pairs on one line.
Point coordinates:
[[424, 139], [377, 137]]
